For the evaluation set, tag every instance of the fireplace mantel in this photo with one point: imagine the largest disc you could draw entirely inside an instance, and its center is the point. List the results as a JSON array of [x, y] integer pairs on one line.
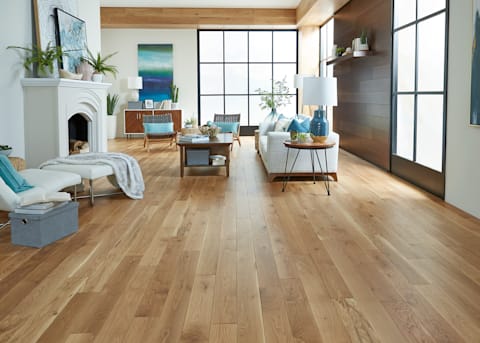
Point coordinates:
[[49, 103]]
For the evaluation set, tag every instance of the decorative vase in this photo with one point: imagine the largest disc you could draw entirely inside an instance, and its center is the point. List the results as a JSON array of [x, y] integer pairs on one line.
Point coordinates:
[[86, 70], [319, 127], [268, 123], [111, 126]]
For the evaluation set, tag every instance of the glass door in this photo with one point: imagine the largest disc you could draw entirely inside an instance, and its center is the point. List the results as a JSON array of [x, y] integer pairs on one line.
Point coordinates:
[[419, 92]]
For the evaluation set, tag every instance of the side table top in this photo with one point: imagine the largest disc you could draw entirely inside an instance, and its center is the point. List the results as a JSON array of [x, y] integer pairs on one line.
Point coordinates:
[[313, 145]]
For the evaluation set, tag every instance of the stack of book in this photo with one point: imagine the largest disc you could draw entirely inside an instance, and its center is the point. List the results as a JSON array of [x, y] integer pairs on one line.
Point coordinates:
[[39, 208], [218, 160], [193, 139]]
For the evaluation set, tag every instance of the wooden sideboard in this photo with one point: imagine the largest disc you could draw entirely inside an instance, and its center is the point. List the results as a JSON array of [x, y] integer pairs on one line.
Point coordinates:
[[134, 120]]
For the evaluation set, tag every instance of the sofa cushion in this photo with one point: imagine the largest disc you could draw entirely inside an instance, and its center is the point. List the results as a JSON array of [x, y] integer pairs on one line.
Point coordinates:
[[227, 127], [299, 126], [11, 177], [158, 128], [282, 124]]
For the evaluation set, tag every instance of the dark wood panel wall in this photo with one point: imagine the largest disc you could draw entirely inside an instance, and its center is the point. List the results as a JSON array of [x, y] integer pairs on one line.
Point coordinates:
[[362, 117]]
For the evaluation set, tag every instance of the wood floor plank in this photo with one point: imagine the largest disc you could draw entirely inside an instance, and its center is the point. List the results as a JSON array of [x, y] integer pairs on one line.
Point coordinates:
[[210, 258], [199, 313]]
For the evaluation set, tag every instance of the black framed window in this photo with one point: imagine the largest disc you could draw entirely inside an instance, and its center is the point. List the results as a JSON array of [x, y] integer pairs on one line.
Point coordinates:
[[232, 64]]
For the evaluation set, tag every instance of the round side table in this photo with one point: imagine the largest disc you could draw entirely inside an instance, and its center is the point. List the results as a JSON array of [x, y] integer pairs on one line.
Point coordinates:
[[313, 148]]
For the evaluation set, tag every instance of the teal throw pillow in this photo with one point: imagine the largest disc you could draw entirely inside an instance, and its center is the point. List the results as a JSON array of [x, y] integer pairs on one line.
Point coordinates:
[[158, 127], [299, 126], [227, 127], [11, 177]]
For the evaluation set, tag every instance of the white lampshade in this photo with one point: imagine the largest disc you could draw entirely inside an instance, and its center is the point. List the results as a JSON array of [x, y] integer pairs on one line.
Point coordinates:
[[135, 82], [320, 91], [298, 80]]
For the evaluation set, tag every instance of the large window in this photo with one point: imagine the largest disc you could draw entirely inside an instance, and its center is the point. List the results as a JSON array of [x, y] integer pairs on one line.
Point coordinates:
[[419, 81], [233, 64]]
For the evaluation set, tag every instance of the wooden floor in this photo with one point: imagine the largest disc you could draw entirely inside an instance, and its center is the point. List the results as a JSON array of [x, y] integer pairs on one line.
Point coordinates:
[[215, 259]]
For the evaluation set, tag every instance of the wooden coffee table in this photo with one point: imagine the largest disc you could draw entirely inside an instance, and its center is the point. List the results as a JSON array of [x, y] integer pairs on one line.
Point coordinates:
[[219, 145]]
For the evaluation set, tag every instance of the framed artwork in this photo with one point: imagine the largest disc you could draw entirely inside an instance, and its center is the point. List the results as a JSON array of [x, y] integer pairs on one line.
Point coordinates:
[[45, 19], [155, 66], [72, 37], [44, 15], [475, 86], [148, 103]]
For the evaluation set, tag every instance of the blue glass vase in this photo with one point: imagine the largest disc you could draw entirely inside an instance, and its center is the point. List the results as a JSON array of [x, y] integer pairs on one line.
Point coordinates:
[[319, 126]]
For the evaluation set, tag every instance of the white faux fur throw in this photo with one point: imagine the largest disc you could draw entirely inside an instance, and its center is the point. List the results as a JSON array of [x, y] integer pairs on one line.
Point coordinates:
[[126, 169]]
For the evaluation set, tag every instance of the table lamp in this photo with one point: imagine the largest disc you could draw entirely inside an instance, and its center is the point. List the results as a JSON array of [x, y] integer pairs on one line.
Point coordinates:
[[321, 91], [298, 83], [134, 84]]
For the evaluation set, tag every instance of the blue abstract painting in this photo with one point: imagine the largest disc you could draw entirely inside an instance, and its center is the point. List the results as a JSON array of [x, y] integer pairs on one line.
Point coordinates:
[[155, 66], [72, 37], [475, 87]]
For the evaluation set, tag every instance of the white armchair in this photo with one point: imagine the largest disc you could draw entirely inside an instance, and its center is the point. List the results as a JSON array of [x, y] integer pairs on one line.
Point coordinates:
[[46, 184]]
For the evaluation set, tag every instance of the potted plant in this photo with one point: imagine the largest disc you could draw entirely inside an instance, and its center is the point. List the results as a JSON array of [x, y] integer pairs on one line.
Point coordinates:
[[43, 60], [363, 46], [174, 95], [190, 122], [112, 101], [100, 66], [5, 150], [276, 97]]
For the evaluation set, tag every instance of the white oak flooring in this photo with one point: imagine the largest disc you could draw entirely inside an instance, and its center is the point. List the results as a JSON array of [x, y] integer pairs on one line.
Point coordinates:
[[213, 259]]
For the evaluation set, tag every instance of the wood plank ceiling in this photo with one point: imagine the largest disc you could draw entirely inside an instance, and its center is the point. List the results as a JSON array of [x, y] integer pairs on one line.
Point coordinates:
[[308, 12]]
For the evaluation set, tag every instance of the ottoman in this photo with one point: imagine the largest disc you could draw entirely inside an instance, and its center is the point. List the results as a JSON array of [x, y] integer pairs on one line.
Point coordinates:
[[89, 172]]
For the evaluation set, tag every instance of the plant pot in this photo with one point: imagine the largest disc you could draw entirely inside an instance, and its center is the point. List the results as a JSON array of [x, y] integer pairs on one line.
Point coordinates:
[[111, 126], [97, 77], [174, 105], [45, 73]]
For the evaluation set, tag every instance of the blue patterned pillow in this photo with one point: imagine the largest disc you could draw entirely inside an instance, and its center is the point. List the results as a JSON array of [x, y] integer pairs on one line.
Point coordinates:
[[11, 177], [299, 126], [158, 127]]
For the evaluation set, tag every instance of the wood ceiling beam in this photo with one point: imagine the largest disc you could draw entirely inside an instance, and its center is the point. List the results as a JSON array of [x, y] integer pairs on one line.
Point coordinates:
[[142, 17], [317, 12]]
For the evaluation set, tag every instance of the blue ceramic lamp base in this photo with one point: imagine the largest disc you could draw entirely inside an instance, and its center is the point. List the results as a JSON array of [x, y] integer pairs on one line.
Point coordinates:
[[319, 126]]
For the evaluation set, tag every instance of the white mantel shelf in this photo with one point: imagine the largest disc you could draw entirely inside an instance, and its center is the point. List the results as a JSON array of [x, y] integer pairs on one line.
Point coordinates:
[[49, 104], [51, 82]]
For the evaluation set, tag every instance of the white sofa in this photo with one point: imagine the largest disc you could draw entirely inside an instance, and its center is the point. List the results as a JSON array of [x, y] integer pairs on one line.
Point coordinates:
[[46, 184], [273, 154]]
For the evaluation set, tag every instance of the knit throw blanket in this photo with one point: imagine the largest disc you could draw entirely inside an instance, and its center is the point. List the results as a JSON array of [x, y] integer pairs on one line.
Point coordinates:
[[126, 169]]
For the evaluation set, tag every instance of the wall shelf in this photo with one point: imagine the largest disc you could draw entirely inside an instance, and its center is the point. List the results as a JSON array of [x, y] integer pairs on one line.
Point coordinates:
[[340, 59]]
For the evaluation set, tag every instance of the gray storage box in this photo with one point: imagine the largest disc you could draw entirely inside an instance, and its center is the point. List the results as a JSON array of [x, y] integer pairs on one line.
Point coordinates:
[[38, 230], [198, 157]]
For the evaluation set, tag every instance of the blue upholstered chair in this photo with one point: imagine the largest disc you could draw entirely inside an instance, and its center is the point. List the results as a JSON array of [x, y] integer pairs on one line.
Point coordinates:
[[229, 123], [158, 127]]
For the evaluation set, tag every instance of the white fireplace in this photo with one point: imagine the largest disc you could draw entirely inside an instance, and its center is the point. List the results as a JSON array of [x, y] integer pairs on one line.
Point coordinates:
[[49, 104]]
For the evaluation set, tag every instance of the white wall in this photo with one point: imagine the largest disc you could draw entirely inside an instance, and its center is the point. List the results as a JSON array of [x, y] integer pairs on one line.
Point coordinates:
[[89, 11], [15, 29], [125, 41], [463, 141]]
